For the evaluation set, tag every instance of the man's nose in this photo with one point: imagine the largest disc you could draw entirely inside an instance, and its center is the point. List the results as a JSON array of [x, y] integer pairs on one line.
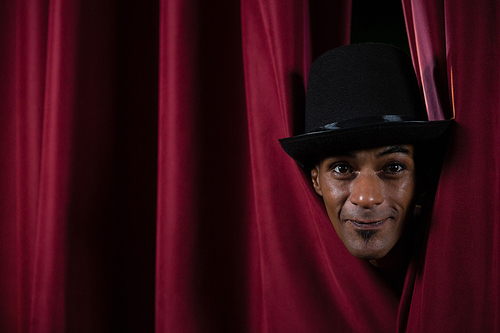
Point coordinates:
[[366, 191]]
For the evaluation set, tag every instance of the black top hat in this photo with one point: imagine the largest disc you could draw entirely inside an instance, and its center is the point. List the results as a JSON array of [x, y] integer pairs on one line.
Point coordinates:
[[361, 96]]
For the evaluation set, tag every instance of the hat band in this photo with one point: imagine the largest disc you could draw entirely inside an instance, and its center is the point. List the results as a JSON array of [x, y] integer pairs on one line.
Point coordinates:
[[357, 122]]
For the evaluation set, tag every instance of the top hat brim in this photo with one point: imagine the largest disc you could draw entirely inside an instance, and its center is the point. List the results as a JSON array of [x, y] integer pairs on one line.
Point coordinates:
[[307, 149]]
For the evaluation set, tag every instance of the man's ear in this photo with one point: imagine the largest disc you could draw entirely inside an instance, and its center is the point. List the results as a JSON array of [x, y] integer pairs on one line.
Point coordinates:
[[315, 179]]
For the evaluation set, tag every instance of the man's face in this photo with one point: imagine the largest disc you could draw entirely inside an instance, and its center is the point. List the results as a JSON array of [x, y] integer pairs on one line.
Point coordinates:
[[368, 195]]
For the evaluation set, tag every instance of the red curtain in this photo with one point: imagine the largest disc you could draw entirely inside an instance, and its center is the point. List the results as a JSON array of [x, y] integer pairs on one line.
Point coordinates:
[[143, 186], [455, 46], [78, 165]]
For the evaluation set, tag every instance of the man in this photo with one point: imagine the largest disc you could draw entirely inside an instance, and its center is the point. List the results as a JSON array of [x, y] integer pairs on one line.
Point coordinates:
[[366, 130]]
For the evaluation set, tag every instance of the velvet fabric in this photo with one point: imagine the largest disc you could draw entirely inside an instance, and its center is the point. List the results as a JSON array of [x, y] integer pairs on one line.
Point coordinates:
[[455, 47], [144, 188]]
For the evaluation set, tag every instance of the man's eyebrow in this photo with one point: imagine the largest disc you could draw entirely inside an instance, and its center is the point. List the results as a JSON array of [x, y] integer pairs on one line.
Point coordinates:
[[393, 150]]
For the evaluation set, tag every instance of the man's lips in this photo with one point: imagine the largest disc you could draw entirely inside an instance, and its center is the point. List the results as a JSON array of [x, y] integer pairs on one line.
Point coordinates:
[[368, 224]]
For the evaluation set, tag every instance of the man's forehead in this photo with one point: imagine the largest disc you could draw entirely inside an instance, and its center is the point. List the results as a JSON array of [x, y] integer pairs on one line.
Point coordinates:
[[405, 149]]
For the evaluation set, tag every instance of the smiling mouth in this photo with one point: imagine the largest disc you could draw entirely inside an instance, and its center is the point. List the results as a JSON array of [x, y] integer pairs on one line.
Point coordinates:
[[367, 225]]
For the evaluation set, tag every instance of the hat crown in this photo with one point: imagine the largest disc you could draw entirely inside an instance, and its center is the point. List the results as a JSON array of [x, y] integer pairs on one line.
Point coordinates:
[[362, 81]]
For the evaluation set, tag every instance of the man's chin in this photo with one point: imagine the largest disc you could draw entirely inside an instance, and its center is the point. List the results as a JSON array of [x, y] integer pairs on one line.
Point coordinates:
[[368, 244], [367, 256], [367, 252]]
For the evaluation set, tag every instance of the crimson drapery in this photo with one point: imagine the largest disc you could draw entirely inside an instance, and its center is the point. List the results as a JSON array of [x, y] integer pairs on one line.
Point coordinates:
[[456, 47], [242, 242]]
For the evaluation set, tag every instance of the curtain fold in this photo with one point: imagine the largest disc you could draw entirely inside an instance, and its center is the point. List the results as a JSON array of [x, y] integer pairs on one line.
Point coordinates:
[[456, 47], [49, 269], [30, 76], [8, 229], [203, 180]]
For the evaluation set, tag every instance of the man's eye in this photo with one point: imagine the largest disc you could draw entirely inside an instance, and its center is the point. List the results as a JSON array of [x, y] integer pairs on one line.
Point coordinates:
[[395, 168], [341, 168]]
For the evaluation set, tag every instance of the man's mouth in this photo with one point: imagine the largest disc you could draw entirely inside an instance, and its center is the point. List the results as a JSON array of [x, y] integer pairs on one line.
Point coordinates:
[[367, 225]]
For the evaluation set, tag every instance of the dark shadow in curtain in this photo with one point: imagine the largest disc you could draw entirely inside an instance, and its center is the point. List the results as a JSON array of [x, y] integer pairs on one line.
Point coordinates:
[[90, 226], [112, 222], [135, 166], [222, 170], [8, 306], [298, 103], [327, 31], [379, 21]]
